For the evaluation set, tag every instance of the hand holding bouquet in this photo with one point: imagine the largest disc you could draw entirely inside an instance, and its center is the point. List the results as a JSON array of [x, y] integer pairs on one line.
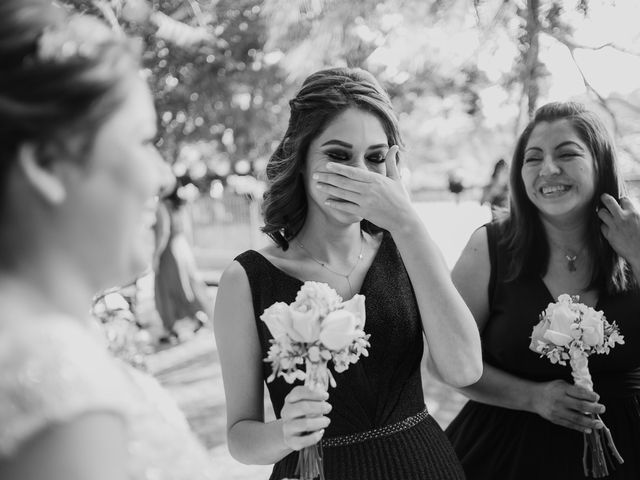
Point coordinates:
[[569, 330], [317, 328]]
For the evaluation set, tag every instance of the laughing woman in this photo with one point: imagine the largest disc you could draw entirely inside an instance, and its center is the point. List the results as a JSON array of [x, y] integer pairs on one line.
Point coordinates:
[[566, 233], [336, 166]]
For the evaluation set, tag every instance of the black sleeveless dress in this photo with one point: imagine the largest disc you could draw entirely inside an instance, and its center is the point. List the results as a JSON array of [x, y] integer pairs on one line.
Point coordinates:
[[498, 443], [379, 426]]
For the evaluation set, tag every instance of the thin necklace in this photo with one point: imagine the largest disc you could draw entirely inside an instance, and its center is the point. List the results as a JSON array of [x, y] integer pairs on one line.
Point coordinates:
[[571, 259], [326, 267]]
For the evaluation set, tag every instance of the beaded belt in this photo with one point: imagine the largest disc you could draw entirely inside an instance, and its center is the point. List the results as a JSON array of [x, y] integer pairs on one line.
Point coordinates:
[[385, 431]]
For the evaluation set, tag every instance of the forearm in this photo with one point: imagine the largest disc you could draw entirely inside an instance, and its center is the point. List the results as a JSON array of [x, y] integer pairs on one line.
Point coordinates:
[[451, 332], [501, 389], [257, 443]]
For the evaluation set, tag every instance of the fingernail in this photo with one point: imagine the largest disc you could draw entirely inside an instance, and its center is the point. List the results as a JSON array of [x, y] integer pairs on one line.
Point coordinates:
[[587, 431], [330, 165], [326, 408], [315, 176]]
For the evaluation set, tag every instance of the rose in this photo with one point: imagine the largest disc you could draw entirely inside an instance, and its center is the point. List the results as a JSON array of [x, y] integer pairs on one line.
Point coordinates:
[[561, 317], [278, 319], [319, 296], [338, 329], [537, 335], [305, 323], [592, 327], [356, 306]]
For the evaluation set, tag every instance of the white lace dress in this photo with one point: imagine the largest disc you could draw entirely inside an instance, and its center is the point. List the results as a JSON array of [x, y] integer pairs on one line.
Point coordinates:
[[55, 370]]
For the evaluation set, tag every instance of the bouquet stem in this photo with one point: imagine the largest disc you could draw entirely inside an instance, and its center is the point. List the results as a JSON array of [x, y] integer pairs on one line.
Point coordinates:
[[598, 445], [310, 458]]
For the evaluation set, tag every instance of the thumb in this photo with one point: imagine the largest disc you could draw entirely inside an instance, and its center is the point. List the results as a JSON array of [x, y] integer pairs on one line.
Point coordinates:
[[391, 162]]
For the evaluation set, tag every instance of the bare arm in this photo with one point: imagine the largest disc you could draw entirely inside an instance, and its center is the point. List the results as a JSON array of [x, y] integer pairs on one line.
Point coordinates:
[[452, 336], [92, 447], [251, 440], [557, 401]]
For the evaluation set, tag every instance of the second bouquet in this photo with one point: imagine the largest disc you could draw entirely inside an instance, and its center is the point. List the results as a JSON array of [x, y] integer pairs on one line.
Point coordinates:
[[316, 330]]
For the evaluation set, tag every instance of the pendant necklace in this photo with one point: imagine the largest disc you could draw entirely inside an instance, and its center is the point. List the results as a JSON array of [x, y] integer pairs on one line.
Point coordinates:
[[326, 267], [571, 259]]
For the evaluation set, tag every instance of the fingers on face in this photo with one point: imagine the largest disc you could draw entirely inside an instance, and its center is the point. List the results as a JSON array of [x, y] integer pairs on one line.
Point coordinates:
[[391, 162], [338, 181], [353, 173]]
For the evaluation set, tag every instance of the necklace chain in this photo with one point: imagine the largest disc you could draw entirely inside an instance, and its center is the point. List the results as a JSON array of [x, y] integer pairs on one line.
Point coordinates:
[[326, 267], [571, 259]]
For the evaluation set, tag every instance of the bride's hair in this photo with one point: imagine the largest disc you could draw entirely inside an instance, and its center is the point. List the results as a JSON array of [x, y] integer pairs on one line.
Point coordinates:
[[62, 77], [323, 96]]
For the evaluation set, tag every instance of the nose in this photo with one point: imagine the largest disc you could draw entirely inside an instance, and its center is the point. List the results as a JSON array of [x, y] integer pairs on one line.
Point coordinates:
[[549, 166]]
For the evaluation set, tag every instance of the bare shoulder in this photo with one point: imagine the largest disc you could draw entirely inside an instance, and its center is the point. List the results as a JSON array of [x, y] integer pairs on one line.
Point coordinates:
[[476, 252], [471, 275]]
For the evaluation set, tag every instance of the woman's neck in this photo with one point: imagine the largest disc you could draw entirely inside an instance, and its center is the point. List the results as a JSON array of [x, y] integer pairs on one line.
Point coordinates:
[[47, 287], [331, 243]]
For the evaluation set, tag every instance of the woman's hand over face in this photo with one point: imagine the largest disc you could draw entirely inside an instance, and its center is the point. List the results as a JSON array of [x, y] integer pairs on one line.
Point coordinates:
[[621, 228], [303, 417], [380, 199], [566, 405]]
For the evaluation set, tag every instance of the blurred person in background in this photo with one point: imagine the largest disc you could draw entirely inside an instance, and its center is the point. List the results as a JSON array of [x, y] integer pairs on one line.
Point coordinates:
[[496, 192], [180, 293], [80, 177]]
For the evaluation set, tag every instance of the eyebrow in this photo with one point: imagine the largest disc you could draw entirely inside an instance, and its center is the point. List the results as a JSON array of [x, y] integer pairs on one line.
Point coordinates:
[[563, 144], [348, 145]]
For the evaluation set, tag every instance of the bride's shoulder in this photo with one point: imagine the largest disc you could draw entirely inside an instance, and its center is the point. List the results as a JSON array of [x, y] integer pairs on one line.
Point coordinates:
[[52, 370]]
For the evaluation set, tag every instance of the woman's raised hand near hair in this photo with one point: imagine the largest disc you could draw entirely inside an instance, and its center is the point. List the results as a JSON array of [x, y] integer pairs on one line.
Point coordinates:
[[303, 417], [567, 405], [621, 227], [381, 199]]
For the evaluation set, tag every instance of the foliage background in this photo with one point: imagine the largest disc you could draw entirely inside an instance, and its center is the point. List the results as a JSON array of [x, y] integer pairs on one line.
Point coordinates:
[[464, 75]]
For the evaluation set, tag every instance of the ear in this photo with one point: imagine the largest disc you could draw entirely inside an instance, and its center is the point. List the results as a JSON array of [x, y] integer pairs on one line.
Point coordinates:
[[41, 177]]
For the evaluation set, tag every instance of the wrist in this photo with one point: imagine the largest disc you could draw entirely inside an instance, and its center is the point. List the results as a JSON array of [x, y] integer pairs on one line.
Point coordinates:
[[407, 222]]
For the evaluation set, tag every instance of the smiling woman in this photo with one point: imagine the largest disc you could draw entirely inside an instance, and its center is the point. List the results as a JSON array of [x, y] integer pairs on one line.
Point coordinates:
[[565, 234]]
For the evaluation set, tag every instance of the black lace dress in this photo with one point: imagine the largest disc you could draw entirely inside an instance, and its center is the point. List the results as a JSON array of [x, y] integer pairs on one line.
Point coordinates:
[[379, 427], [498, 443]]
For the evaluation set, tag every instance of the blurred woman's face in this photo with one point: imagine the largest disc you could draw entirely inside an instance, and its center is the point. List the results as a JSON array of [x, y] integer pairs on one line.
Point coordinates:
[[114, 200], [356, 138], [558, 171]]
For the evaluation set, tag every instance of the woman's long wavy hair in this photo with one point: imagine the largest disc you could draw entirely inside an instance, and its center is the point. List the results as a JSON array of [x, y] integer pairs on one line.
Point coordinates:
[[323, 96], [524, 235]]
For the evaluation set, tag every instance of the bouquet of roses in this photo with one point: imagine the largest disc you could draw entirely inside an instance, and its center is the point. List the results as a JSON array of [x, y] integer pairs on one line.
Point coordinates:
[[318, 327], [569, 330]]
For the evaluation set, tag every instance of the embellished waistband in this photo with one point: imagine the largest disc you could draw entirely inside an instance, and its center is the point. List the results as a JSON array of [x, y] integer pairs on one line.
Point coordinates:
[[344, 440]]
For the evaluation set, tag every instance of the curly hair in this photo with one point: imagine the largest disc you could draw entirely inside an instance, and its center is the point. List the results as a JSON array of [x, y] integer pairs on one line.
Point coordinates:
[[524, 234], [55, 92], [324, 95]]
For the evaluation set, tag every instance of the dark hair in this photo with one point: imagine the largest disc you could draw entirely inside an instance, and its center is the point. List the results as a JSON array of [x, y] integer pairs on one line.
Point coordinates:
[[62, 77], [525, 237], [323, 96]]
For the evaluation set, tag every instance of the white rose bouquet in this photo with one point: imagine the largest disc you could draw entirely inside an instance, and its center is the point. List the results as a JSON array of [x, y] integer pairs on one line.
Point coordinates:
[[569, 330], [316, 329]]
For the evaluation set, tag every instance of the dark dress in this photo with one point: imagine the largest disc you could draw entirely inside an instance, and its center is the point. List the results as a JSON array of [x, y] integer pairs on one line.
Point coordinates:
[[498, 443], [376, 394]]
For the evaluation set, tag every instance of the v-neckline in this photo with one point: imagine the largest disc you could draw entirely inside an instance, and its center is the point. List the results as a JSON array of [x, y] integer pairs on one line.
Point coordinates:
[[548, 294], [365, 281]]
